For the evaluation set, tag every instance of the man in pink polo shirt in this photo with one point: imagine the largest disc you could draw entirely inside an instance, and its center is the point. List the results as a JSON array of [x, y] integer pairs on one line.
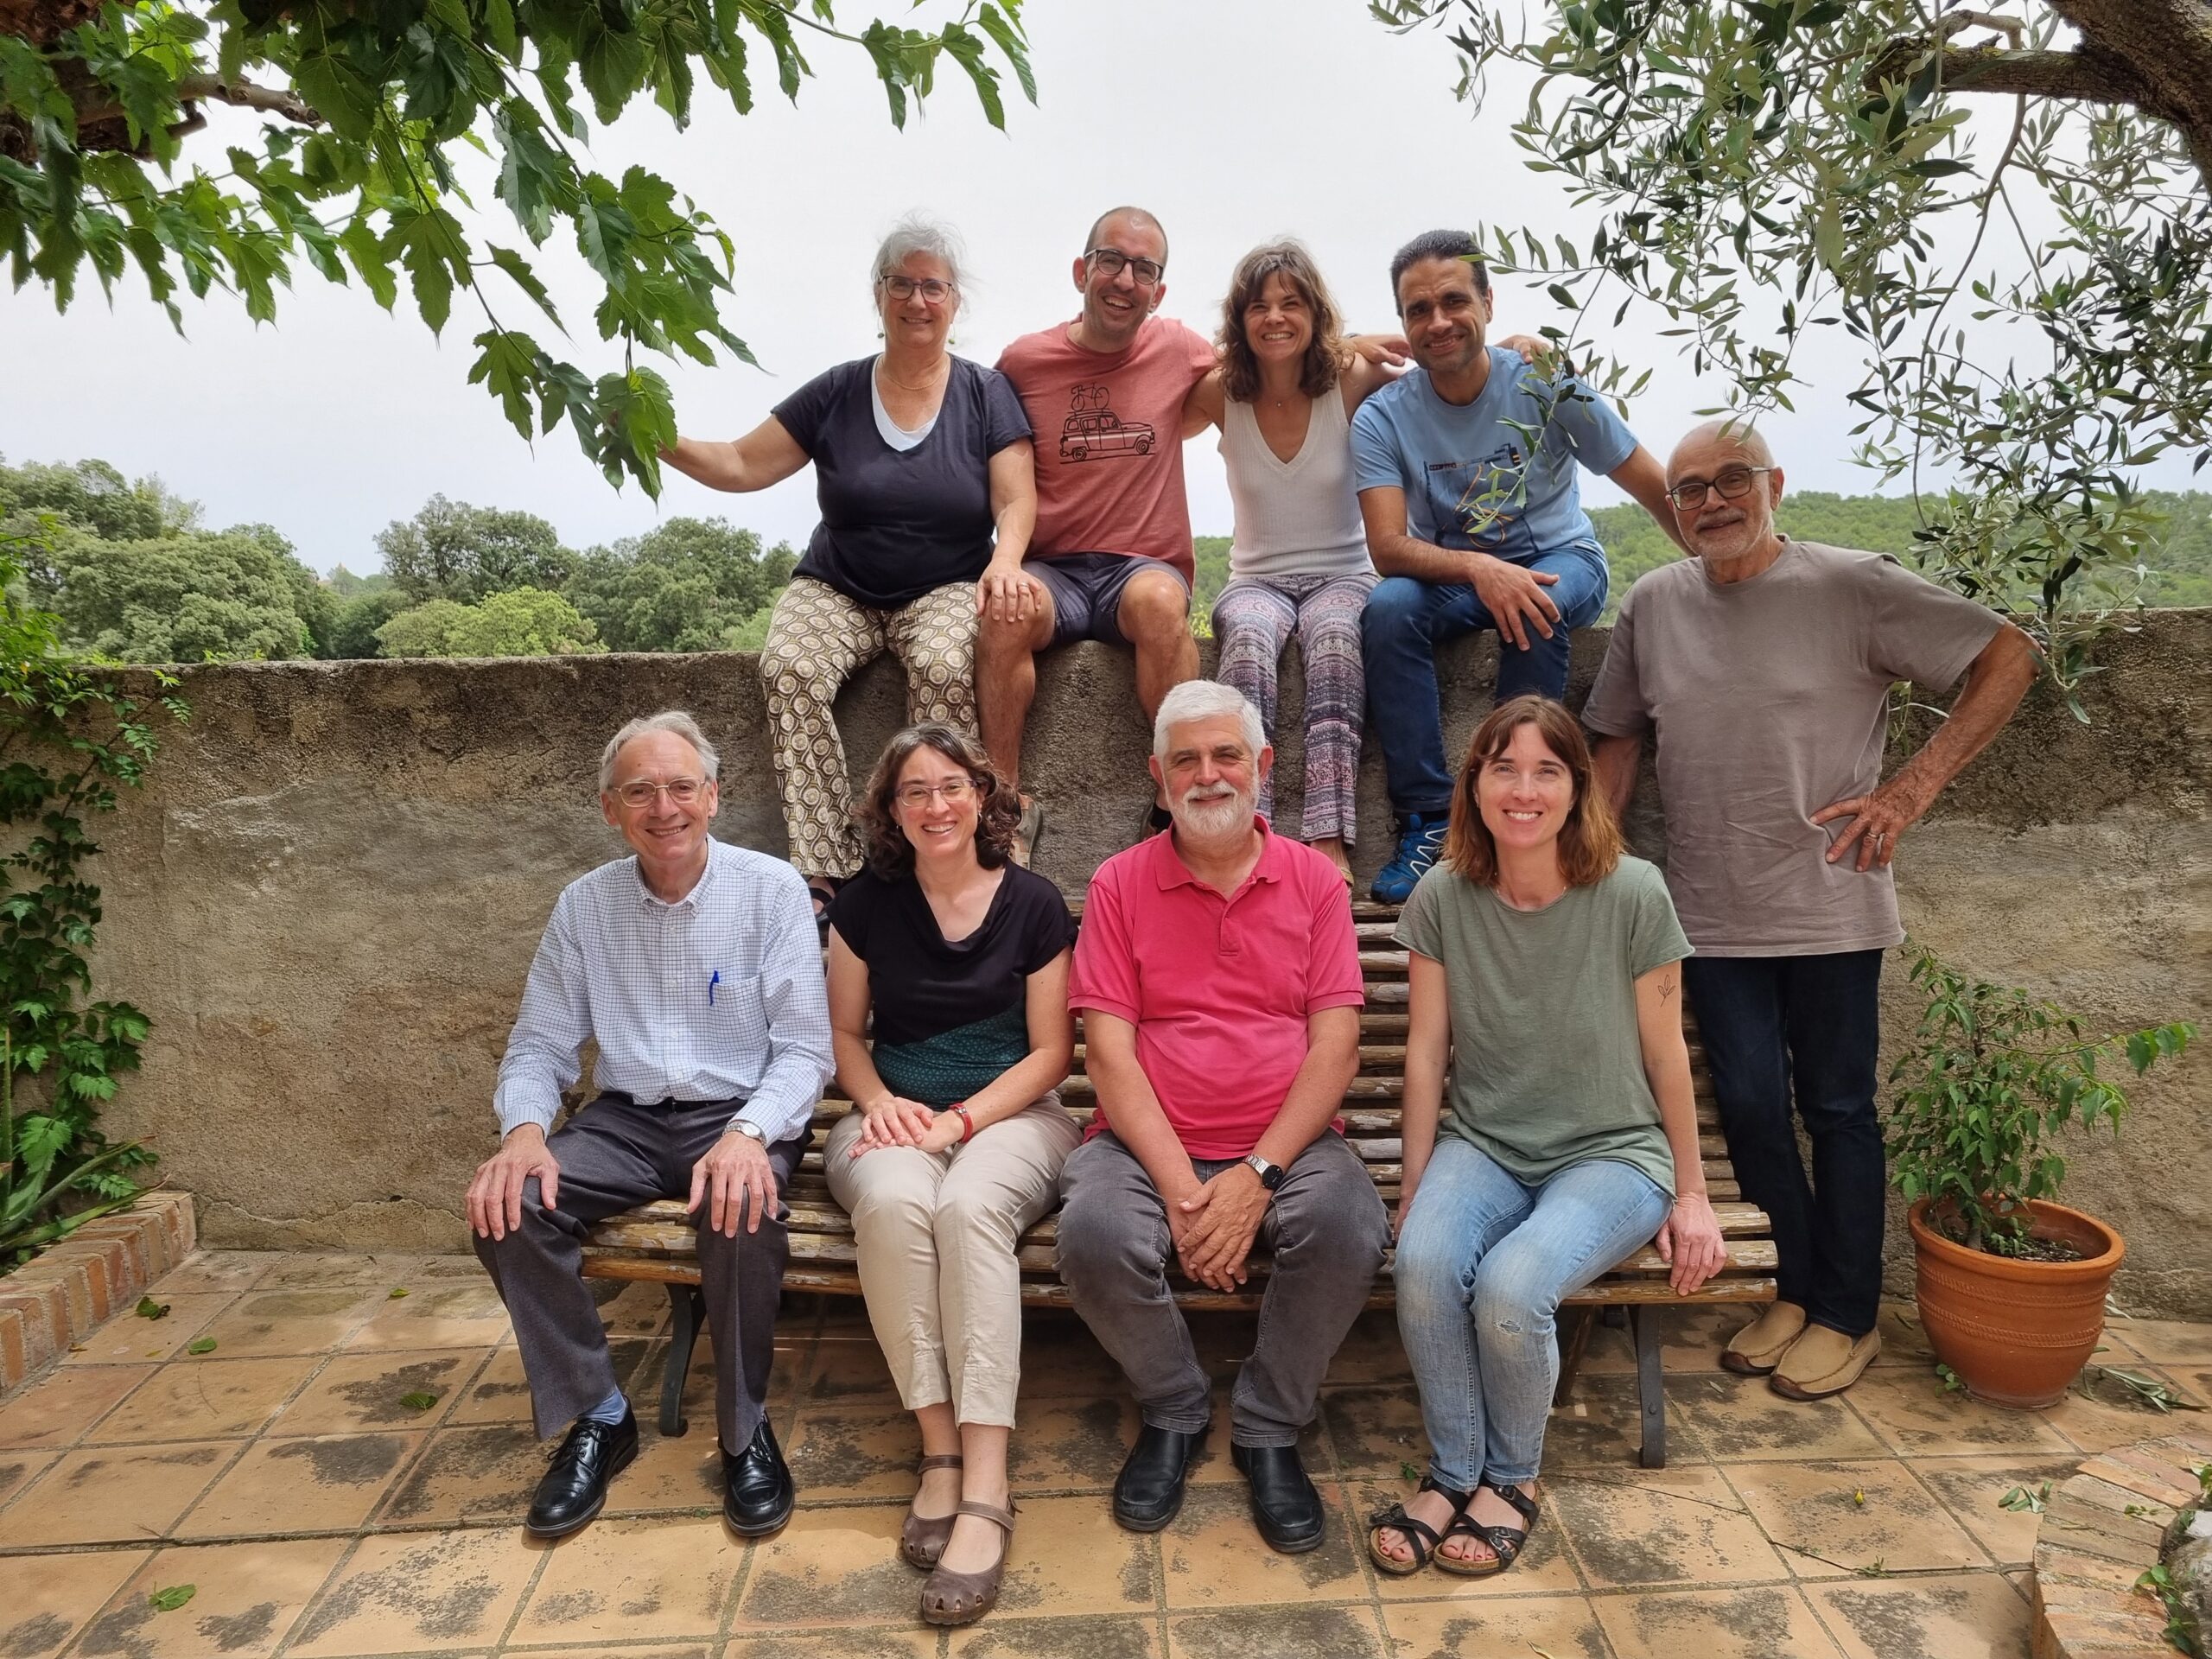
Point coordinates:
[[1219, 980]]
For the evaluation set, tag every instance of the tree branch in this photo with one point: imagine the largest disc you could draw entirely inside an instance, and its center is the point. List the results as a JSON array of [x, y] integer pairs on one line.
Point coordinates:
[[246, 95]]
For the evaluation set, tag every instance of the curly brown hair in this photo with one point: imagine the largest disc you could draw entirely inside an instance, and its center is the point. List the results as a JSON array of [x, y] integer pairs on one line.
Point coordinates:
[[1590, 843], [890, 854], [1325, 355]]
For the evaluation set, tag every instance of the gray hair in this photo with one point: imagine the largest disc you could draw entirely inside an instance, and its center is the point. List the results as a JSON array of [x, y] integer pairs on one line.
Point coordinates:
[[1206, 700], [919, 233], [669, 719]]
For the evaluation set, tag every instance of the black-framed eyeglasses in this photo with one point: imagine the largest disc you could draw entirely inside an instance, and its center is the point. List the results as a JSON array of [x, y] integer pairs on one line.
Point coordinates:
[[1730, 484], [934, 290], [1110, 261]]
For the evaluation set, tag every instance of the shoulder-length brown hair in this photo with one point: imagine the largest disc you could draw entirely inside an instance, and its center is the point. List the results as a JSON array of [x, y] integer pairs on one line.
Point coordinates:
[[890, 854], [1589, 842], [1324, 356]]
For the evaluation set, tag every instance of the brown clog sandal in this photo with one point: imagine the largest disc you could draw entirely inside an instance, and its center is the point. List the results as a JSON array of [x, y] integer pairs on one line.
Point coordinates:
[[921, 1539], [952, 1598]]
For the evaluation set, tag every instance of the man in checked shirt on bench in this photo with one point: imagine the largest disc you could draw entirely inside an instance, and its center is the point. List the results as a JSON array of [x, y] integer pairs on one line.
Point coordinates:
[[696, 968]]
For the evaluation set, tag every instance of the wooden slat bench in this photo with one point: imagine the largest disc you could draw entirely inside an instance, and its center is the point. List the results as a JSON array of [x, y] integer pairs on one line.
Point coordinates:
[[656, 1244]]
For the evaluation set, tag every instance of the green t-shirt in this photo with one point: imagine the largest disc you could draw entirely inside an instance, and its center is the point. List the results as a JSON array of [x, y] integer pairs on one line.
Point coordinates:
[[1546, 1070]]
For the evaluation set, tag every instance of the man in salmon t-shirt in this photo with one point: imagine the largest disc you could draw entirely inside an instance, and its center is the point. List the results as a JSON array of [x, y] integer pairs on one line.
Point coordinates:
[[1110, 559]]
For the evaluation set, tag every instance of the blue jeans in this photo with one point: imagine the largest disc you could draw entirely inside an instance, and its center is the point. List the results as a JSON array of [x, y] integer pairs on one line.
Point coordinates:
[[1483, 1264], [1775, 1026], [1407, 619]]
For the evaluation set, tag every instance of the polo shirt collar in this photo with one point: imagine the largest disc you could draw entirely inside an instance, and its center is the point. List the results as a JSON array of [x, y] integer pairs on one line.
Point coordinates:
[[1169, 870]]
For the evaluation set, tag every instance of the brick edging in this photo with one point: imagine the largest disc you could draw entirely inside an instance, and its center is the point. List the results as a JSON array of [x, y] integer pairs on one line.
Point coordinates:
[[102, 1269], [2100, 1532]]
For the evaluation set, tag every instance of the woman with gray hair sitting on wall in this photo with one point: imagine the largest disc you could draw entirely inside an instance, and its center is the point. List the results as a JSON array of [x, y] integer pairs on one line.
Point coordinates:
[[956, 1139], [922, 461]]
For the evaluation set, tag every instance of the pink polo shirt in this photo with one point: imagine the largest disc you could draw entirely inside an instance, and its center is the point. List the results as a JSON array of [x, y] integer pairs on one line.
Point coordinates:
[[1218, 989]]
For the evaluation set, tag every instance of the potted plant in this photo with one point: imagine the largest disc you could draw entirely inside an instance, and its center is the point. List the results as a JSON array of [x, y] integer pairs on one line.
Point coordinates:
[[2010, 1284]]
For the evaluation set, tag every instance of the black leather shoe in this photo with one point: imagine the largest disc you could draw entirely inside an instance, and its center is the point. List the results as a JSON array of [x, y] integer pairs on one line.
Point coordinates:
[[1149, 1490], [575, 1488], [759, 1496], [1285, 1507]]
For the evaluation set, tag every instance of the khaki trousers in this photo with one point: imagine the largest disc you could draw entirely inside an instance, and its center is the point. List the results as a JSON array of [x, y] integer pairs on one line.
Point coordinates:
[[937, 1233], [817, 639]]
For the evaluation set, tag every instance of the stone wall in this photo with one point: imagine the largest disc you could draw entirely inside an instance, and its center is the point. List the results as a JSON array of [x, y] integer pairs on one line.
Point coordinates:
[[328, 893]]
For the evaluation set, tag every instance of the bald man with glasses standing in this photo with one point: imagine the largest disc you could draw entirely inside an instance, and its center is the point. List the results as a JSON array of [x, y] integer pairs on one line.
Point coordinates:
[[1765, 665]]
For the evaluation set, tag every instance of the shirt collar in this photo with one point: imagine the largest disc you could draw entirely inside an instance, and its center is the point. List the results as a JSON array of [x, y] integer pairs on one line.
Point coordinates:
[[1169, 871], [691, 900]]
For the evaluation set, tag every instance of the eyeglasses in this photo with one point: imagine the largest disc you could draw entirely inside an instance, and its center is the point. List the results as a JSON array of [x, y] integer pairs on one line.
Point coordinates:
[[681, 792], [1732, 483], [932, 290], [917, 796], [1111, 261]]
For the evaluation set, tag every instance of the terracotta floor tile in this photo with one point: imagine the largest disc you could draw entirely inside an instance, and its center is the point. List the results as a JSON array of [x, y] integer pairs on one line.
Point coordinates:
[[2101, 1412], [1763, 1621], [1000, 1637], [2166, 1342], [294, 1318], [917, 1641], [245, 1598], [48, 1598], [17, 1471], [114, 1494], [1371, 1352], [1601, 1426], [58, 1410], [199, 1398], [470, 1474], [1545, 1565], [130, 1339], [1979, 1617], [500, 1392], [1914, 1415], [853, 1451], [1061, 1444], [1375, 1430], [1563, 1626], [415, 1591], [1834, 1519], [1661, 1526], [362, 1391], [226, 1270], [1739, 1417], [850, 1367], [1215, 1466], [645, 1580], [1212, 1556], [1970, 1488], [326, 1483], [457, 1313], [1345, 1632]]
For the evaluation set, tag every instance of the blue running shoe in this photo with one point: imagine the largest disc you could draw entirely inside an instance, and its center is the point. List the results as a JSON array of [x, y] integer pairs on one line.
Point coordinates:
[[1421, 839]]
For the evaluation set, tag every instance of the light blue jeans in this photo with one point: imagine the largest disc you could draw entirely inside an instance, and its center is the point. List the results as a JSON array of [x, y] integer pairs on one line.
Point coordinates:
[[1483, 1264]]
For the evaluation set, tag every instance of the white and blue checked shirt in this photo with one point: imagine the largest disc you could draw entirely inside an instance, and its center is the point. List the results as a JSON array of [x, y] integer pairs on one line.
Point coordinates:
[[718, 996]]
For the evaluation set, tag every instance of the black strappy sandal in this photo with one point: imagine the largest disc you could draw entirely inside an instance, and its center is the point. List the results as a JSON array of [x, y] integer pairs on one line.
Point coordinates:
[[1412, 1531], [1505, 1543]]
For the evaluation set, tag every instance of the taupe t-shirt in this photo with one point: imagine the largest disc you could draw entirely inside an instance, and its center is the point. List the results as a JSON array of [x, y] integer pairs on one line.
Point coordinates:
[[1771, 699], [1547, 1060]]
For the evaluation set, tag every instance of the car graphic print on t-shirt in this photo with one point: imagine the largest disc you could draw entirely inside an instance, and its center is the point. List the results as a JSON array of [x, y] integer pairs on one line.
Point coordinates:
[[1093, 432], [1464, 493]]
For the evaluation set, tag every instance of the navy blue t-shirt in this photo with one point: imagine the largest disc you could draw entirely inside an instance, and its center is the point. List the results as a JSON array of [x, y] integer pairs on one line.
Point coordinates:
[[896, 523]]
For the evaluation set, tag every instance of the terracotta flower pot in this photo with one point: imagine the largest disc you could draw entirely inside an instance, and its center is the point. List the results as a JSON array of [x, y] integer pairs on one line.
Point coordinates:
[[2016, 1332]]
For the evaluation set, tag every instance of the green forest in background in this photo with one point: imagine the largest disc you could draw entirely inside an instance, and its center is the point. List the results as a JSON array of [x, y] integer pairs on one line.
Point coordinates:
[[137, 575]]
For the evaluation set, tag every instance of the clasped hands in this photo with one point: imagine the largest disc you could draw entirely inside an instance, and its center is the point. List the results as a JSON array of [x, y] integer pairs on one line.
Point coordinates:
[[1213, 1225]]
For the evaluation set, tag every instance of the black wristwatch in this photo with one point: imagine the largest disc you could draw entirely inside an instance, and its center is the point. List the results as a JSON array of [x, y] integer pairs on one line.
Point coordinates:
[[1270, 1175]]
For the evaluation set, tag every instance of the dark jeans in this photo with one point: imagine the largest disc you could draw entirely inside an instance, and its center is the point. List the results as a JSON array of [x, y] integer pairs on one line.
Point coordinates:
[[1808, 1025], [1407, 619]]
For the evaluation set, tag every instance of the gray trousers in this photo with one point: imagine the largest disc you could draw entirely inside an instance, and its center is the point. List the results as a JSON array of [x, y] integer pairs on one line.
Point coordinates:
[[615, 1154], [1327, 1231]]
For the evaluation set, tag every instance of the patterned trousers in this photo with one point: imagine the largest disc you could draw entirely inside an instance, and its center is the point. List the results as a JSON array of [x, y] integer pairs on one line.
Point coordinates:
[[1254, 619], [817, 639]]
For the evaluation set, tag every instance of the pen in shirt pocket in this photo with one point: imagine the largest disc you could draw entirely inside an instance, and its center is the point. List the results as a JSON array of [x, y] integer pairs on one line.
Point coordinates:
[[713, 980]]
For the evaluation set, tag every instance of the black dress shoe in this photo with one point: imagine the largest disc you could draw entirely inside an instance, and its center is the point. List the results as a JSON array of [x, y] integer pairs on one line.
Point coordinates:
[[1285, 1506], [575, 1488], [1149, 1490], [759, 1496]]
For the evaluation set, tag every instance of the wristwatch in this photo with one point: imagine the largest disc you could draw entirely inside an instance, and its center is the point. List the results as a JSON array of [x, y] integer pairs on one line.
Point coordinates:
[[746, 1125], [1270, 1175]]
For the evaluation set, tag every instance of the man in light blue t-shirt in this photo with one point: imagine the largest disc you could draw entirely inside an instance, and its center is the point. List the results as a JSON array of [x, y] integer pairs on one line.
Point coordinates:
[[1465, 469]]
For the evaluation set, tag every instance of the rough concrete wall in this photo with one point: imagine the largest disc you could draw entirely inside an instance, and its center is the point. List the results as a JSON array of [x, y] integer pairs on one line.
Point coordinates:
[[328, 894]]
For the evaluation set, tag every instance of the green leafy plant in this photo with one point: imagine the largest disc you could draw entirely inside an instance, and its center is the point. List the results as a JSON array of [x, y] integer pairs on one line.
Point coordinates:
[[1992, 1077], [69, 737]]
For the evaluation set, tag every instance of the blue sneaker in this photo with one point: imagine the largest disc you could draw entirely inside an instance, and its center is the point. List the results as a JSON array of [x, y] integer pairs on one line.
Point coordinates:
[[1421, 840]]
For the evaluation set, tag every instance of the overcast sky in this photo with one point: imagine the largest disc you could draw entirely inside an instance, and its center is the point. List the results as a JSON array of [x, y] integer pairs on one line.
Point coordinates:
[[1233, 120]]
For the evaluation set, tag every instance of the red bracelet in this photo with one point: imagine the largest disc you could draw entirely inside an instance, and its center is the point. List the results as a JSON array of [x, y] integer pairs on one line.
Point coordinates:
[[967, 1123]]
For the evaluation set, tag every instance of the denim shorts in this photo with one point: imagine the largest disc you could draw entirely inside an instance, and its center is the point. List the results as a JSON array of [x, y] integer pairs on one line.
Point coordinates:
[[1086, 590]]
